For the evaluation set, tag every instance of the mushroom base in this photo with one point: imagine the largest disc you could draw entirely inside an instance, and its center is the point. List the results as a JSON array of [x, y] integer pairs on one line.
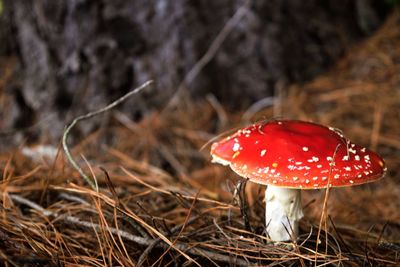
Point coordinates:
[[283, 210]]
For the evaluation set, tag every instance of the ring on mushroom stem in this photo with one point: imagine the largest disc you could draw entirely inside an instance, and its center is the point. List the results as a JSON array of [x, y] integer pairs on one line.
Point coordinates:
[[290, 155]]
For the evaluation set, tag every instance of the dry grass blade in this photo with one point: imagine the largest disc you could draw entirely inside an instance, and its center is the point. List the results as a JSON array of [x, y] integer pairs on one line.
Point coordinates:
[[88, 116]]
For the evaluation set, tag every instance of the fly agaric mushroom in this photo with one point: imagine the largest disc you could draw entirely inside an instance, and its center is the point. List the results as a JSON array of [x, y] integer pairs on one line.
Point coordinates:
[[288, 156]]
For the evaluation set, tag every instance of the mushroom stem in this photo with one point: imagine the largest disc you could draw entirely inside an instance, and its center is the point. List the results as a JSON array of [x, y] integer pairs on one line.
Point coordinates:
[[283, 210]]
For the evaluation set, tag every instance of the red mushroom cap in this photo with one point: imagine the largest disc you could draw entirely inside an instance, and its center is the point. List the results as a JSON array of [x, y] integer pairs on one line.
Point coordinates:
[[297, 154]]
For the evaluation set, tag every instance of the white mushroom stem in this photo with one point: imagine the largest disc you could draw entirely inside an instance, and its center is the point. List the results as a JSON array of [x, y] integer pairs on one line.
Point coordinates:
[[283, 210]]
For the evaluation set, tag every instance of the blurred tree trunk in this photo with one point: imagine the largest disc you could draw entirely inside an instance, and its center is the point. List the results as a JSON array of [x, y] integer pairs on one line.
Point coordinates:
[[77, 55]]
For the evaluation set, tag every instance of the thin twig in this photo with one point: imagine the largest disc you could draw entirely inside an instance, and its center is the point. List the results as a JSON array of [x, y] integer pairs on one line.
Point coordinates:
[[88, 116], [325, 205], [128, 236], [339, 236], [257, 106], [212, 50], [243, 203], [181, 230], [219, 109], [156, 241], [73, 198]]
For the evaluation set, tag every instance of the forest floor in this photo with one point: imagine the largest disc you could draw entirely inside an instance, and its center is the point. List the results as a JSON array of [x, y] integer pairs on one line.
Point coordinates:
[[161, 202]]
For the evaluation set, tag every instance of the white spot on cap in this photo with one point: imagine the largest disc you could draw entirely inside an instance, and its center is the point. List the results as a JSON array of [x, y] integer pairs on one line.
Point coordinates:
[[366, 157], [272, 170], [362, 149], [305, 148], [345, 158], [315, 185], [347, 168], [351, 181], [336, 176], [357, 157], [329, 158], [324, 178], [274, 181], [236, 147], [295, 178], [307, 181], [262, 153], [313, 159], [315, 178], [319, 166]]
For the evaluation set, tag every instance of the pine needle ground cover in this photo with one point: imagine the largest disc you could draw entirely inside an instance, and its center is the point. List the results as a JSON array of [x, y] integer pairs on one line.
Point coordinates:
[[160, 202]]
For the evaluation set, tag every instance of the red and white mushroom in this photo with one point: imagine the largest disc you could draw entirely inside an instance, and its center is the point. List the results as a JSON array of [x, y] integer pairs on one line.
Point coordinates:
[[290, 155]]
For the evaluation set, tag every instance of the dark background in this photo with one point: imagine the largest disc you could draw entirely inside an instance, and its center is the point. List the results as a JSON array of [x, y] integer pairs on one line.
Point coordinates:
[[70, 57]]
